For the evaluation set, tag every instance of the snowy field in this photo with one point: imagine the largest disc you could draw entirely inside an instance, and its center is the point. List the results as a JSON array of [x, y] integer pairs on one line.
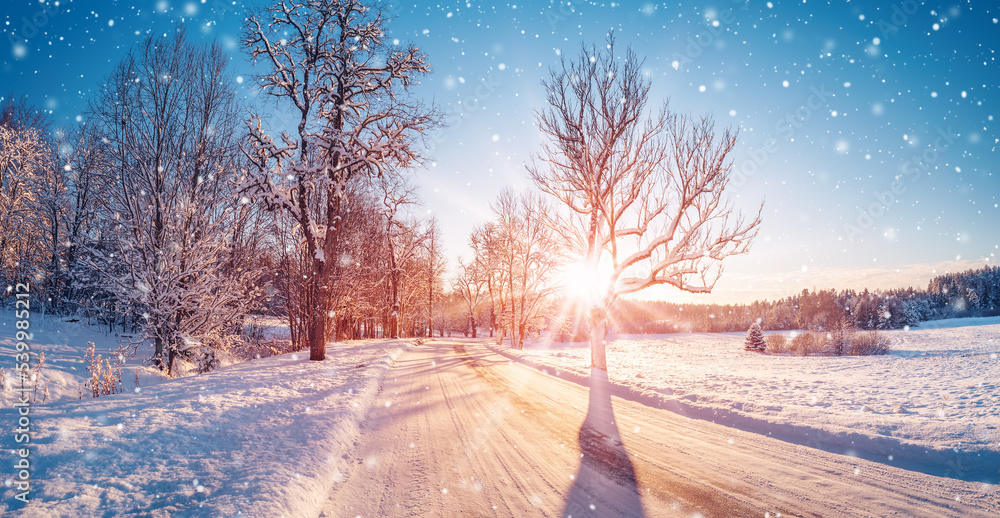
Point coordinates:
[[932, 404], [260, 438]]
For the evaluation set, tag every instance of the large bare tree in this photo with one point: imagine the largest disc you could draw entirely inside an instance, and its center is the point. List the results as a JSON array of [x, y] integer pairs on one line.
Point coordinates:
[[644, 193], [168, 116], [331, 64]]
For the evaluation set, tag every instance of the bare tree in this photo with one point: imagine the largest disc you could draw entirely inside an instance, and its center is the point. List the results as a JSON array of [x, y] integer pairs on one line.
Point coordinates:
[[47, 199], [486, 243], [169, 116], [331, 61], [50, 191], [471, 285], [292, 266], [85, 163], [539, 255], [403, 238], [17, 113], [529, 256], [357, 269], [517, 257], [435, 264], [644, 194]]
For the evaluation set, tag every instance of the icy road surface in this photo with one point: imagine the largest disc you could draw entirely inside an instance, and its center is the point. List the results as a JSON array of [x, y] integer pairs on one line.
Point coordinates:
[[460, 430]]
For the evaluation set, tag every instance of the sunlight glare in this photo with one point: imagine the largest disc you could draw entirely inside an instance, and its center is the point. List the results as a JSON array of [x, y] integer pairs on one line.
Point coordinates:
[[586, 284]]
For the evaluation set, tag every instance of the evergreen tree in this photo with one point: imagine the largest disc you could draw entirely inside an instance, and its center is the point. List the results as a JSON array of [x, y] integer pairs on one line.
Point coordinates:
[[755, 338]]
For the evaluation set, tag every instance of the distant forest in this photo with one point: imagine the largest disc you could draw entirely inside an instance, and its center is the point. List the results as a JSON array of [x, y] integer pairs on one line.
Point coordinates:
[[966, 294]]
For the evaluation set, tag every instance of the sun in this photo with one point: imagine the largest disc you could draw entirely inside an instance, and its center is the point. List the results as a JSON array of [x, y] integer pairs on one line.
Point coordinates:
[[585, 283]]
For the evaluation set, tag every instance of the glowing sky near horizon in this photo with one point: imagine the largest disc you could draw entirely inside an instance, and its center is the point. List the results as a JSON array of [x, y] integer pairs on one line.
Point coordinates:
[[870, 131]]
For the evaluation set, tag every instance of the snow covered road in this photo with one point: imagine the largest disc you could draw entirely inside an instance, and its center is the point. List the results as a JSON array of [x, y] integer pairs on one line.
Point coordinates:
[[460, 430]]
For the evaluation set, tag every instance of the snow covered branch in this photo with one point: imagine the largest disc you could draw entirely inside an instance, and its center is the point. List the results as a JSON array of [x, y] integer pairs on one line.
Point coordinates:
[[331, 62]]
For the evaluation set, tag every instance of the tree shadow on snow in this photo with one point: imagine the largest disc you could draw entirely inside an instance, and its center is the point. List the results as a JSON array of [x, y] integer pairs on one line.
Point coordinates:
[[605, 484]]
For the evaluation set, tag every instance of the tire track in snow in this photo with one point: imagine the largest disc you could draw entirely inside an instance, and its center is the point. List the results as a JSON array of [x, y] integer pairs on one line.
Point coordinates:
[[496, 433]]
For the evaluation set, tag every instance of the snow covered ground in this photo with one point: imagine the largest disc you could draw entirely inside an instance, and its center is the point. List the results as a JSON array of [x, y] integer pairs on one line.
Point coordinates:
[[64, 344], [932, 404], [65, 340], [260, 438], [266, 437]]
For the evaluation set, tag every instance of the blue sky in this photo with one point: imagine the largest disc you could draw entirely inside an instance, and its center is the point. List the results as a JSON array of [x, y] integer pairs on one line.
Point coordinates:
[[869, 130]]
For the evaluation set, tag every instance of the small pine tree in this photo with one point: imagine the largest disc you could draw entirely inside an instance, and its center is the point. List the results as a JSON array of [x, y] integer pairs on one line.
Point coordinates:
[[755, 338]]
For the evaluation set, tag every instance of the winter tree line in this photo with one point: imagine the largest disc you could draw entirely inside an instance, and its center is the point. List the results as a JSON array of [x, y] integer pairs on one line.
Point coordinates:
[[175, 210], [148, 217], [954, 295]]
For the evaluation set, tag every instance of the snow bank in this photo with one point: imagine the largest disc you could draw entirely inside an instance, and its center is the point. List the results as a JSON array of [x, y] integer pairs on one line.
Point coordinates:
[[932, 404], [64, 344], [261, 438], [64, 340]]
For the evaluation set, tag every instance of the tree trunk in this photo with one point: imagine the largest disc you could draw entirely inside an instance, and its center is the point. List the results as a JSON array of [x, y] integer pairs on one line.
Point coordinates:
[[171, 355], [394, 283], [394, 323], [158, 352], [318, 317], [317, 336], [598, 327], [493, 321]]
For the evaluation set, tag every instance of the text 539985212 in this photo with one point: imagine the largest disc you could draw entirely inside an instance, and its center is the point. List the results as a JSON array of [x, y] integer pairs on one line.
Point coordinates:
[[22, 372]]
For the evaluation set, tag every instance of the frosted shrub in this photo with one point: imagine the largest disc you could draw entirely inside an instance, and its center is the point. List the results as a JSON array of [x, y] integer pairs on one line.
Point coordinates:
[[34, 376], [844, 341], [869, 343], [36, 380], [207, 359], [777, 343], [105, 375], [208, 353], [808, 343]]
